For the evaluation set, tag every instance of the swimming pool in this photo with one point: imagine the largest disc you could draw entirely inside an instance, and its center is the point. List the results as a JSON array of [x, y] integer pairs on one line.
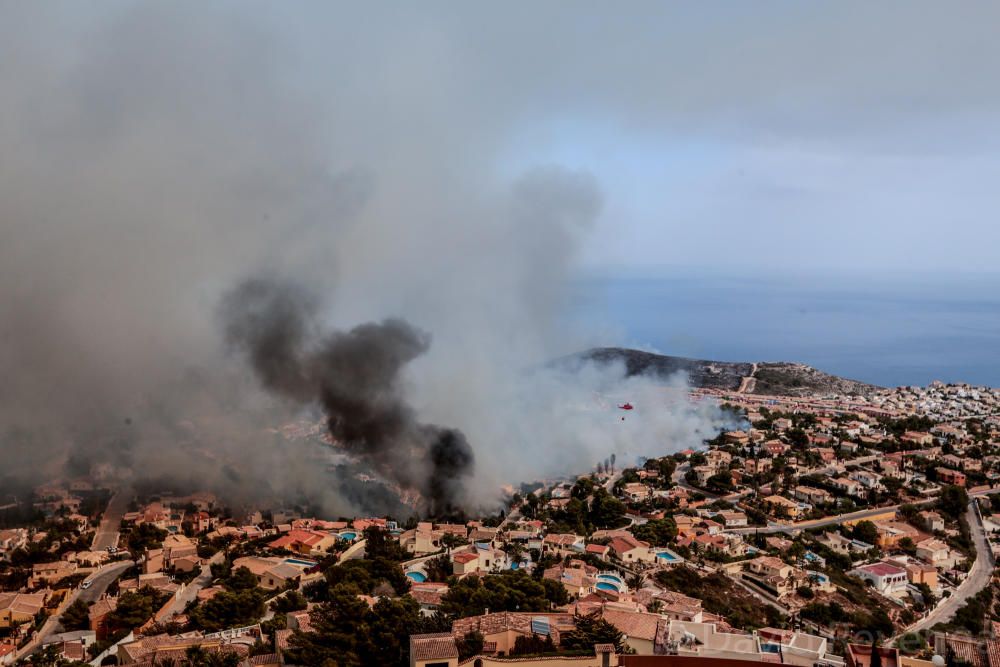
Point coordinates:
[[605, 586], [349, 536], [300, 563], [667, 556], [610, 578], [418, 577]]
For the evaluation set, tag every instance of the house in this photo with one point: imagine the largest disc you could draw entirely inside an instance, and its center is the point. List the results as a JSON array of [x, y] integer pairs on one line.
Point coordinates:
[[733, 519], [775, 447], [271, 573], [757, 466], [922, 573], [17, 608], [826, 454], [935, 552], [563, 544], [639, 628], [51, 573], [703, 474], [502, 629], [719, 459], [577, 578], [177, 552], [869, 480], [782, 424], [433, 650], [811, 495], [629, 549], [886, 578], [465, 563], [775, 575], [98, 615], [782, 507], [636, 491], [836, 542], [679, 607], [918, 438], [305, 542], [891, 533], [599, 550], [934, 521], [11, 540], [847, 486], [949, 476], [737, 437]]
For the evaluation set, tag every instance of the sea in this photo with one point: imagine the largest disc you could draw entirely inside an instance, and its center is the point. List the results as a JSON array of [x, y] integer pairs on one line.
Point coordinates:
[[887, 329]]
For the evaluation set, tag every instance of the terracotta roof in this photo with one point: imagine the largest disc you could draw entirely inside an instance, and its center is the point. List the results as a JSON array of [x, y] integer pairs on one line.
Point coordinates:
[[433, 647], [633, 624]]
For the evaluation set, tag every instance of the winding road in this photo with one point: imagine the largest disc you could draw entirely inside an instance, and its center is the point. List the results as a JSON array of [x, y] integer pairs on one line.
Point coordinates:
[[979, 576]]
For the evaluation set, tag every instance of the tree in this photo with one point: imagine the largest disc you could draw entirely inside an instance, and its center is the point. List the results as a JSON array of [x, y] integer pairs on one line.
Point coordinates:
[[953, 501], [290, 601], [658, 532], [470, 645], [876, 659], [866, 531], [76, 616], [721, 482], [590, 630], [439, 568]]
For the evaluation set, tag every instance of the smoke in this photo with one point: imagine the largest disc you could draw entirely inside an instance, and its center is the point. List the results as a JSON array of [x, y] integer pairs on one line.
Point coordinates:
[[355, 376], [155, 155]]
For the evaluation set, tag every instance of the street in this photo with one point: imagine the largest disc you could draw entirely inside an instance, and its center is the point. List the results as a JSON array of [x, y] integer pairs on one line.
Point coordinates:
[[203, 579], [107, 532], [978, 579], [102, 578]]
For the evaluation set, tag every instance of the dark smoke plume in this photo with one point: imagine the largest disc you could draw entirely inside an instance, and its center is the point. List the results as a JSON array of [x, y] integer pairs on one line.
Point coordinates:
[[355, 377]]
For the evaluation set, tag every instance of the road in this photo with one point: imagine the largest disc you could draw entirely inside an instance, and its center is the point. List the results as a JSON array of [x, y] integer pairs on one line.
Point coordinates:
[[749, 383], [203, 579], [101, 579], [107, 533], [979, 576], [840, 518]]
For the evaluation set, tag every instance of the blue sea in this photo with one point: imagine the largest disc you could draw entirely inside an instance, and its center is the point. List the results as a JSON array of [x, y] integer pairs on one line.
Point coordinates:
[[884, 329]]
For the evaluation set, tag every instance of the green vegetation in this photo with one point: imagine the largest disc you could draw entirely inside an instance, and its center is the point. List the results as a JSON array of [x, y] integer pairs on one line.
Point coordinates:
[[510, 591], [719, 595], [75, 617], [592, 630], [349, 633], [658, 532]]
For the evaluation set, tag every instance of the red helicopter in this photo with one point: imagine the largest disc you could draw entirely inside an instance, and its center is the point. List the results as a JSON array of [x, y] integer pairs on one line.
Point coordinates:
[[627, 406]]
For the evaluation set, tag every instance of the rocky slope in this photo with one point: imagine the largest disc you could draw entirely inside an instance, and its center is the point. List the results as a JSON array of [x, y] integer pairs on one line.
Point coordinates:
[[771, 378]]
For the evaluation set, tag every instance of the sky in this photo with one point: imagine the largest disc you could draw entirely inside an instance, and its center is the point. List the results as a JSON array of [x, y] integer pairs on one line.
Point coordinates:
[[847, 135], [462, 166]]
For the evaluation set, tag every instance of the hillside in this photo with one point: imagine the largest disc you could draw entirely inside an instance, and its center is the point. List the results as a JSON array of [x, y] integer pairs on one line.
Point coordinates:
[[770, 378]]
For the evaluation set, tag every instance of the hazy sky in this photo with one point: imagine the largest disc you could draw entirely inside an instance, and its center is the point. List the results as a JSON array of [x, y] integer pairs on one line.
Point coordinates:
[[843, 135]]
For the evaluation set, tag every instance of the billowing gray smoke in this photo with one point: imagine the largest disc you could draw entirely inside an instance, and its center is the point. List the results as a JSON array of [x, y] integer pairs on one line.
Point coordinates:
[[355, 377], [153, 155]]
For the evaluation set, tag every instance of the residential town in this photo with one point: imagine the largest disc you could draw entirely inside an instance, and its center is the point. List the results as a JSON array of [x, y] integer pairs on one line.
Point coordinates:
[[819, 532]]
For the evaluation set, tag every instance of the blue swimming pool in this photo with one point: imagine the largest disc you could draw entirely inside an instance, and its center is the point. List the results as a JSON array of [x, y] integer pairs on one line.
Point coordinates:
[[349, 536], [610, 577], [605, 586], [514, 565], [418, 577], [299, 562], [667, 556]]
